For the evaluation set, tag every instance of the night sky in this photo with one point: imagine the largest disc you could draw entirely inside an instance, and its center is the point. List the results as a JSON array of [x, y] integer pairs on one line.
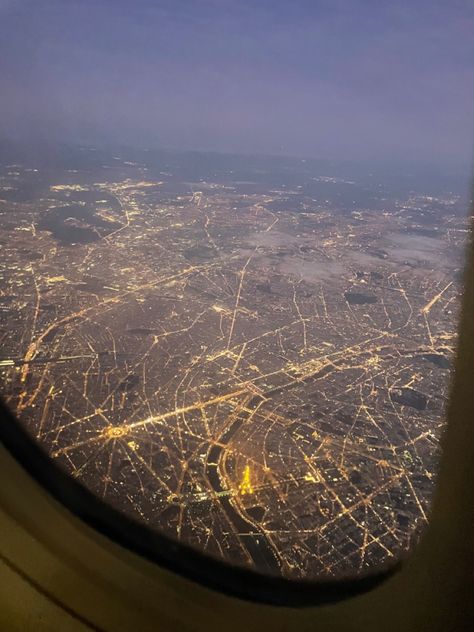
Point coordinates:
[[339, 79]]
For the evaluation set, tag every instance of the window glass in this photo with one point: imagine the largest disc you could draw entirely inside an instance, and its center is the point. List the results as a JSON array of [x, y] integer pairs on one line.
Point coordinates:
[[232, 243]]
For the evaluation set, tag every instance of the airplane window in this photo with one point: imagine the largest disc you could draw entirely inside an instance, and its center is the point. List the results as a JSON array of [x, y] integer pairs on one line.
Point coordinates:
[[232, 242]]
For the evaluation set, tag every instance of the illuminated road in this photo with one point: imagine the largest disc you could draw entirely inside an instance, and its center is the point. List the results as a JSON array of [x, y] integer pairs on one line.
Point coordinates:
[[254, 370]]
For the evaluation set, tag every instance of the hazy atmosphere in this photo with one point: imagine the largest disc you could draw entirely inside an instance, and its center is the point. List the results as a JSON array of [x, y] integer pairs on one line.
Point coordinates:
[[334, 79], [244, 349]]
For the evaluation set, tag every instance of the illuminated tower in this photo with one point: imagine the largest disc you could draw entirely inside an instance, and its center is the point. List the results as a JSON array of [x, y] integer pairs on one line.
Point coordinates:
[[245, 486]]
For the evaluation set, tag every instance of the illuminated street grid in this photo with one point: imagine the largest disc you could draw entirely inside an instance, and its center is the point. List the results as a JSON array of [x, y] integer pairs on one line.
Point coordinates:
[[265, 385]]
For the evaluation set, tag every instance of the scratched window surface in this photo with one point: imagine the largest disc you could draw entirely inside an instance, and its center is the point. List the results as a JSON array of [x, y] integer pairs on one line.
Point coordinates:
[[250, 356]]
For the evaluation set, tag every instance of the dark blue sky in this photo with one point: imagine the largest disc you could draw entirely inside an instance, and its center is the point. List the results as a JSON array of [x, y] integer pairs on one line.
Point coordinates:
[[368, 79]]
